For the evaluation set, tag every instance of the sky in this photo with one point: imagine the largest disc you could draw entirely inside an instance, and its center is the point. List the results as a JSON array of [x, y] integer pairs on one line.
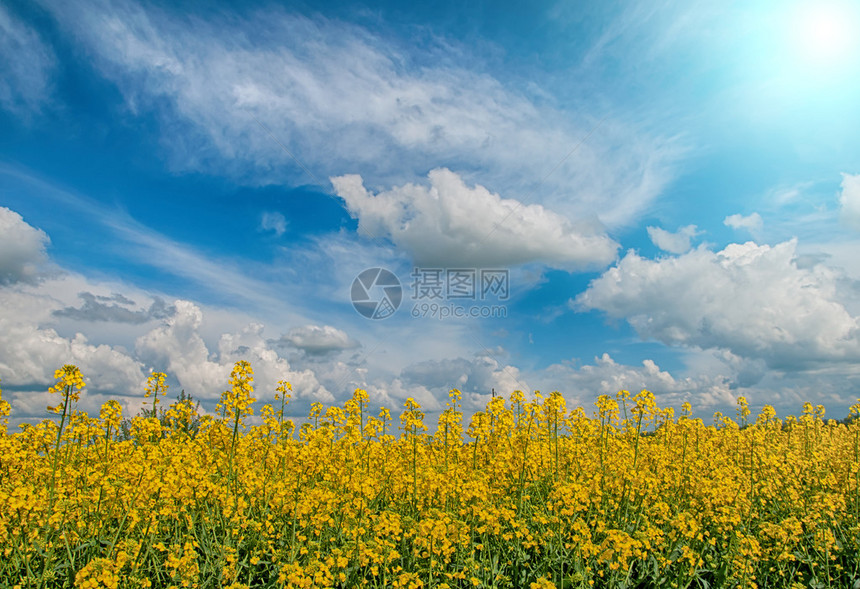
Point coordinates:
[[579, 197]]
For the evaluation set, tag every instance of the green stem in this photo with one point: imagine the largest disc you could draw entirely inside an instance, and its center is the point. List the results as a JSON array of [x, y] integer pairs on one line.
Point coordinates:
[[67, 393], [414, 469]]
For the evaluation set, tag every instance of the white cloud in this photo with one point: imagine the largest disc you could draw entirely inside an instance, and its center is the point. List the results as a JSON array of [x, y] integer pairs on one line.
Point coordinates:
[[606, 376], [710, 381], [475, 378], [22, 249], [393, 394], [429, 381], [273, 221], [849, 200], [26, 66], [342, 99], [319, 340], [269, 368], [31, 348], [30, 352], [36, 338], [198, 349], [674, 243], [449, 224], [750, 223], [752, 300], [178, 348], [481, 374], [41, 323]]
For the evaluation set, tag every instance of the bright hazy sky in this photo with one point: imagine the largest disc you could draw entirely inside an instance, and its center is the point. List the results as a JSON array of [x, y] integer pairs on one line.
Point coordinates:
[[672, 187]]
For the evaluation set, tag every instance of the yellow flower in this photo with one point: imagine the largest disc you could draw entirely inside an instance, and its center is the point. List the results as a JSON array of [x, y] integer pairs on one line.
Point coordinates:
[[69, 383], [5, 411], [237, 402]]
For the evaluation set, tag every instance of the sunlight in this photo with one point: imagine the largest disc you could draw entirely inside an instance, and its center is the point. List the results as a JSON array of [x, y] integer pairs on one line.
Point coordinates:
[[825, 34]]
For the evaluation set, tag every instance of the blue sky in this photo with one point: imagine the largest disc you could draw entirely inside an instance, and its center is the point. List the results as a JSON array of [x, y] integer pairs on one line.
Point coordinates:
[[672, 187]]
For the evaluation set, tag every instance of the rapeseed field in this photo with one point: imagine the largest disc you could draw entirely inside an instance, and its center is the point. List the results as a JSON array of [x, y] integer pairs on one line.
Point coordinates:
[[527, 494]]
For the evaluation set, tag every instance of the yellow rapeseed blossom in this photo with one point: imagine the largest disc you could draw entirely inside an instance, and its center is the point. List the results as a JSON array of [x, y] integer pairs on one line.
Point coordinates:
[[155, 387], [237, 402], [5, 411], [533, 494], [69, 383]]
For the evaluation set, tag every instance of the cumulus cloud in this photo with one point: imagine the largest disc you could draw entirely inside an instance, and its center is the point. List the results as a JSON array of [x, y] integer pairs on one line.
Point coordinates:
[[392, 395], [178, 348], [273, 221], [606, 376], [710, 381], [476, 378], [750, 299], [674, 243], [430, 381], [38, 334], [22, 249], [449, 224], [26, 66], [750, 223], [318, 340], [30, 353], [114, 309], [849, 200], [341, 98]]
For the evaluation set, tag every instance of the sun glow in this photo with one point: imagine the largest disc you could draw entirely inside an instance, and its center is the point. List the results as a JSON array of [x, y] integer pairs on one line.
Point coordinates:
[[826, 33]]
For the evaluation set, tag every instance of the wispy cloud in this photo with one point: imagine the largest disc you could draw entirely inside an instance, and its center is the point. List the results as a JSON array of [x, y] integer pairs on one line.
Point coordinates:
[[849, 200], [141, 245], [26, 66], [345, 100]]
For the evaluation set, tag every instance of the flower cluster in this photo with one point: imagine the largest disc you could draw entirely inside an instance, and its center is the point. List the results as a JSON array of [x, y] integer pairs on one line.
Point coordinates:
[[69, 383], [237, 402]]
